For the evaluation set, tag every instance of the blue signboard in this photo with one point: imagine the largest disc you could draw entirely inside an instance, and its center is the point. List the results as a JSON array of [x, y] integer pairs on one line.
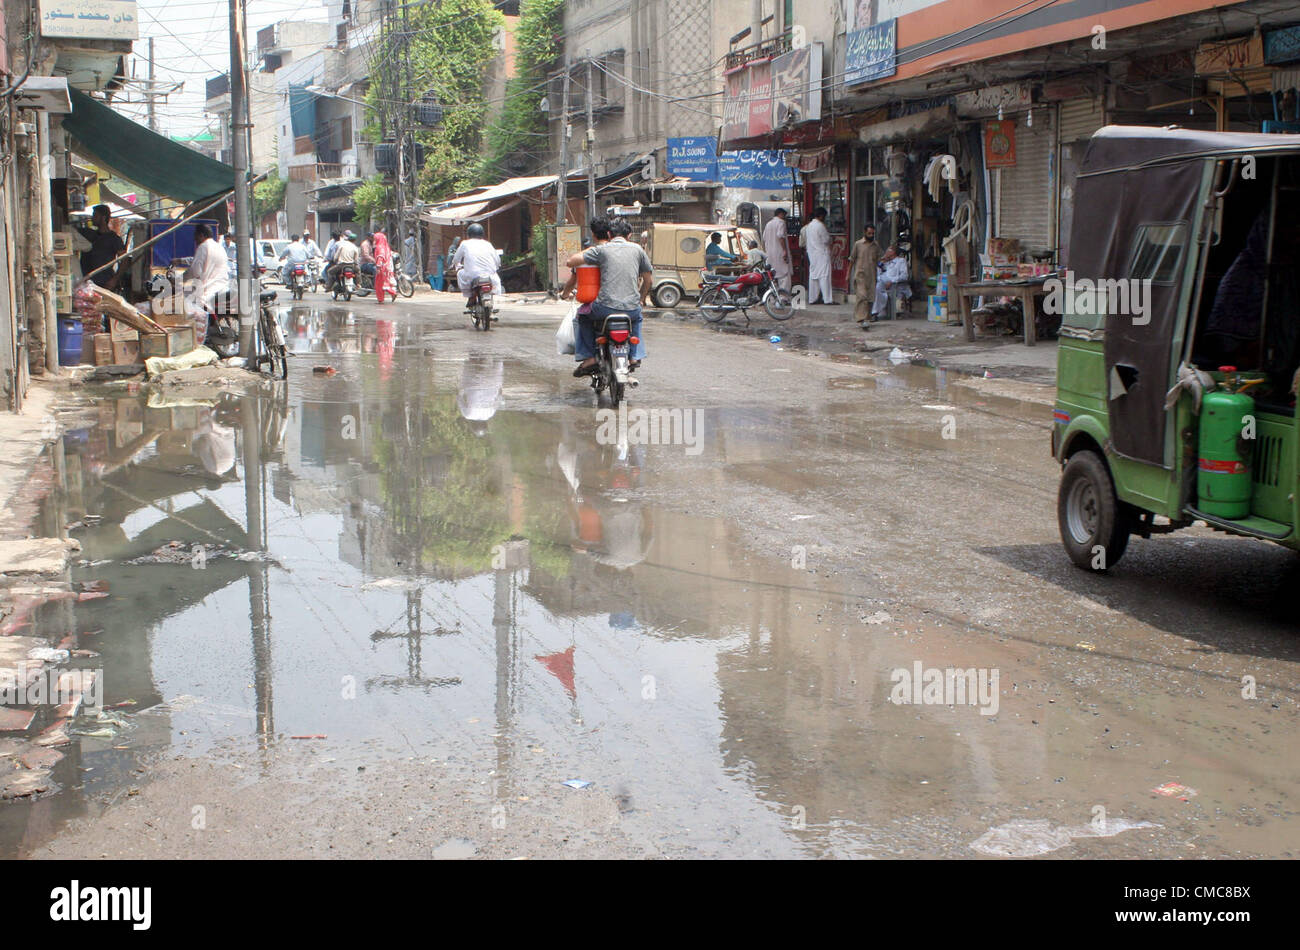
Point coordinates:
[[755, 168], [693, 158], [871, 53]]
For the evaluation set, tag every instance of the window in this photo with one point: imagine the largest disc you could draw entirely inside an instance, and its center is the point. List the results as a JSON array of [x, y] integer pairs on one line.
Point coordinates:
[[1157, 251], [691, 245]]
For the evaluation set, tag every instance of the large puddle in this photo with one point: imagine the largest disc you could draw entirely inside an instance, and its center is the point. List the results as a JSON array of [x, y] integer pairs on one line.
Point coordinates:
[[420, 556]]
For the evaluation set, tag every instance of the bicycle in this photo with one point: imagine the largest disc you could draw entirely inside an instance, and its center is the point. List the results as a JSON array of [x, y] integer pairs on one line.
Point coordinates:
[[268, 346]]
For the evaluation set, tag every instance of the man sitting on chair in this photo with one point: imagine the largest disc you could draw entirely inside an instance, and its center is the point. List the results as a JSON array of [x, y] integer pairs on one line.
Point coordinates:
[[892, 280]]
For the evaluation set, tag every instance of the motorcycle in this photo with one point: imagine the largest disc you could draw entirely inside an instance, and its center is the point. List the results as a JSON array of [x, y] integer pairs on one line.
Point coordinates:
[[345, 282], [614, 358], [298, 280], [722, 294], [222, 336], [479, 305], [314, 277]]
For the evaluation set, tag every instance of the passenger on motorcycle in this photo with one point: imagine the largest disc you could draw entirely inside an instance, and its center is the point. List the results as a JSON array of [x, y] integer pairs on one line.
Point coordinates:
[[625, 281], [345, 252], [295, 253], [476, 257]]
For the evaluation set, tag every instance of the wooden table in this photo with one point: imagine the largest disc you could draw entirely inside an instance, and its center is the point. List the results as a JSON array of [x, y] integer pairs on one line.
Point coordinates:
[[1024, 291]]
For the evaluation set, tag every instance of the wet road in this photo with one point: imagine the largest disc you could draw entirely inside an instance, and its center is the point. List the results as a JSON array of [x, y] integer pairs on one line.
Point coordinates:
[[433, 560]]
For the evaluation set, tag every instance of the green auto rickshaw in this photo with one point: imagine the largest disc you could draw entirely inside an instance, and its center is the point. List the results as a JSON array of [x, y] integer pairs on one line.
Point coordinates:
[[1180, 340]]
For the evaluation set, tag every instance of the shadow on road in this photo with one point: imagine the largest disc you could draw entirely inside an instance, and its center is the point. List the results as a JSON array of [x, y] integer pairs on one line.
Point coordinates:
[[1231, 594]]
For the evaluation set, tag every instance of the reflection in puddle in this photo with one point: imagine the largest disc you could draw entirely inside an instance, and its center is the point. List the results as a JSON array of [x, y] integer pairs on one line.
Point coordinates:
[[423, 556]]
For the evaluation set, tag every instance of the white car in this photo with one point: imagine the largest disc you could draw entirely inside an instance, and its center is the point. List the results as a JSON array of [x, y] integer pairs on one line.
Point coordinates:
[[268, 256]]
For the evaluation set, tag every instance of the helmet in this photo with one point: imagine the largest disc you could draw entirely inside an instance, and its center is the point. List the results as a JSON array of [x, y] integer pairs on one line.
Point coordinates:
[[475, 231]]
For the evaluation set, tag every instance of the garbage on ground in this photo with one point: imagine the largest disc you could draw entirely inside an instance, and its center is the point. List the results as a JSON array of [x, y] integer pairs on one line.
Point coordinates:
[[774, 339], [199, 356], [1174, 790], [577, 783], [1023, 838], [182, 552], [98, 725], [324, 370]]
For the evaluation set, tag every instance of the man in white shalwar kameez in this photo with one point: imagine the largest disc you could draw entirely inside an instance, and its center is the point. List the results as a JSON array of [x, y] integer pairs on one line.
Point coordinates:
[[817, 240], [892, 279], [777, 248]]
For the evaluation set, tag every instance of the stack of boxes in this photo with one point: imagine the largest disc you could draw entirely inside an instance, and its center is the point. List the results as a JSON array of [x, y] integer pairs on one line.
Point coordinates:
[[937, 304], [1001, 261]]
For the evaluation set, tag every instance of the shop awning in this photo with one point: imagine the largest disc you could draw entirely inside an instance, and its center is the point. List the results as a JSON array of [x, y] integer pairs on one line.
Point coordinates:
[[152, 161], [507, 188], [466, 214], [919, 125]]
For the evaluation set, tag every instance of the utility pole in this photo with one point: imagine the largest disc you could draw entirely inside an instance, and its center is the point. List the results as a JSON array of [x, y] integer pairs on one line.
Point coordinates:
[[562, 191], [400, 103], [153, 115], [239, 149], [591, 139]]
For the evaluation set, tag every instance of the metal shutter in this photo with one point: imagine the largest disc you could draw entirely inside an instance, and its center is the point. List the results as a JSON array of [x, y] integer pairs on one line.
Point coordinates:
[[1080, 118], [1025, 197]]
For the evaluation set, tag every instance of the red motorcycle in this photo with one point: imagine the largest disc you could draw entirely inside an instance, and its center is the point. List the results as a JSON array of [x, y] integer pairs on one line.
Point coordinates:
[[345, 282], [723, 294]]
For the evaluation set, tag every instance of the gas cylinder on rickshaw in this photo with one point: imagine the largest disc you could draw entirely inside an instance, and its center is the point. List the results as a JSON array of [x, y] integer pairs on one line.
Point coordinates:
[[1223, 480]]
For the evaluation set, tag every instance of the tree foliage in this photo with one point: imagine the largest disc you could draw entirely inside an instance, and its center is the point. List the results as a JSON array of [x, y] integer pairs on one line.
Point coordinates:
[[451, 46], [370, 200], [268, 195], [519, 130]]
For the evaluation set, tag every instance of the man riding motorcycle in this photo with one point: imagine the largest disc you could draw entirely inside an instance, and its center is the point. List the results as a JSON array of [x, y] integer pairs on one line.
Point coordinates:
[[345, 252], [295, 253], [625, 282], [475, 258]]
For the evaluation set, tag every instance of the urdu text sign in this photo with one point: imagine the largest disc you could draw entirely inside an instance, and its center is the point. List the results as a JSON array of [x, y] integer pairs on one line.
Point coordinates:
[[871, 53], [89, 19]]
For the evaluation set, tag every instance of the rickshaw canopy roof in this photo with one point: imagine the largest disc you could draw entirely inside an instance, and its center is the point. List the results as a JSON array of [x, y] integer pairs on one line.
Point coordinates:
[[1117, 147]]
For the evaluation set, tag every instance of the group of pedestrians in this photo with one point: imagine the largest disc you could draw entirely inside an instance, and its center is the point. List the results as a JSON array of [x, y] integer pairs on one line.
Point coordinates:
[[876, 273]]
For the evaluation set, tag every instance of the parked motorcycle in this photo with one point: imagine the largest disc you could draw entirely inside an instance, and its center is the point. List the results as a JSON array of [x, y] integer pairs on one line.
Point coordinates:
[[614, 344], [479, 305], [222, 336], [723, 294]]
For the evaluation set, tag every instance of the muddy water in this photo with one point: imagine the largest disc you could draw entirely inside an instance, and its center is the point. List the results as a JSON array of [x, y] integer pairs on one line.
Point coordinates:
[[427, 554]]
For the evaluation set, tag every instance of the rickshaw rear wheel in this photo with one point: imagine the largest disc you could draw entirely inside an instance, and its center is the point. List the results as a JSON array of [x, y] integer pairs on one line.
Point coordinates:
[[1095, 525]]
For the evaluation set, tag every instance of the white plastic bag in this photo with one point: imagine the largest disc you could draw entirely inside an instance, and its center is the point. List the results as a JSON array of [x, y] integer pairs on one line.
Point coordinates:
[[565, 339]]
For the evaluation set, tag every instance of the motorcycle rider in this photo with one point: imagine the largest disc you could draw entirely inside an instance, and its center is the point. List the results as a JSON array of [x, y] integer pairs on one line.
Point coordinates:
[[345, 252], [295, 253], [313, 249], [625, 282], [476, 257]]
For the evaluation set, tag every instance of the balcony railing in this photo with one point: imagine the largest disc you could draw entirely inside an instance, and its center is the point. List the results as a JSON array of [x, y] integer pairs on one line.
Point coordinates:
[[764, 50]]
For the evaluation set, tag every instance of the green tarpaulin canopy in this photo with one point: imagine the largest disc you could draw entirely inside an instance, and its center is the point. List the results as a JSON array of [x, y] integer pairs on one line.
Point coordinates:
[[152, 161]]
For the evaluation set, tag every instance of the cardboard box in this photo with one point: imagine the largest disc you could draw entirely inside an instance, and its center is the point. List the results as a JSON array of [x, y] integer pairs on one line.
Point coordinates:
[[120, 332], [63, 304], [88, 348], [936, 307], [126, 352], [103, 349], [174, 342]]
